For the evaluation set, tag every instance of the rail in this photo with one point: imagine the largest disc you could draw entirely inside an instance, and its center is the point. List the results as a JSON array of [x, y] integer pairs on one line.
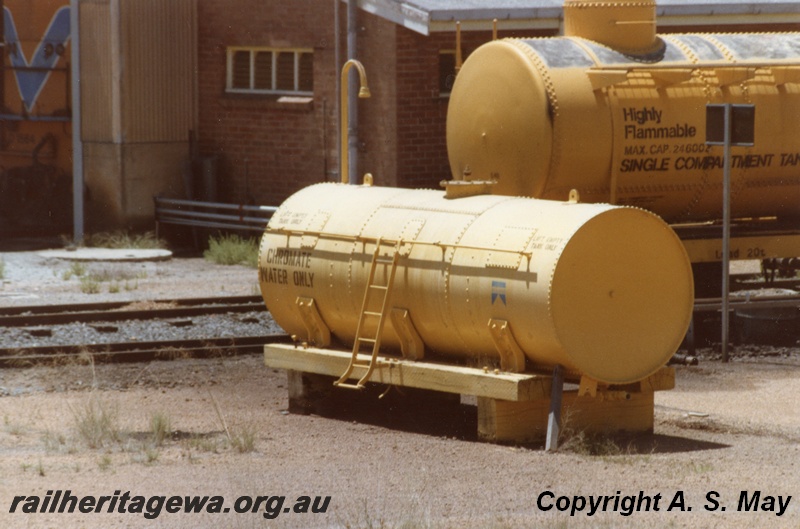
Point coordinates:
[[211, 214], [138, 351]]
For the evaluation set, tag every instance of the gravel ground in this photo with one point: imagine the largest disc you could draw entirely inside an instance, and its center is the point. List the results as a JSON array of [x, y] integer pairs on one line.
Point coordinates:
[[33, 279], [726, 430]]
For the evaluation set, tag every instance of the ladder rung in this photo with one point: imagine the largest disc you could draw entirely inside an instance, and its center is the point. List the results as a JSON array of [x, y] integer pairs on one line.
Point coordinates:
[[370, 313], [379, 287], [368, 340], [348, 385]]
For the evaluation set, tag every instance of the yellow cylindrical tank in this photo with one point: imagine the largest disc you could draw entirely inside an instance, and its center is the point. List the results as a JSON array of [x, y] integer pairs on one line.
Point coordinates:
[[604, 291], [625, 123]]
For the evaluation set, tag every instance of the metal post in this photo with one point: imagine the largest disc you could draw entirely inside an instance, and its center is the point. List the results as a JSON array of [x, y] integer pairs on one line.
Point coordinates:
[[352, 116], [554, 418], [726, 230], [337, 59], [77, 142]]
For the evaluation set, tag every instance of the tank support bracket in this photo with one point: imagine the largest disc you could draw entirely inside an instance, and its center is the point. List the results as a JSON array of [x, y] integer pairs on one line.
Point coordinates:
[[511, 356], [411, 345], [318, 333], [588, 386]]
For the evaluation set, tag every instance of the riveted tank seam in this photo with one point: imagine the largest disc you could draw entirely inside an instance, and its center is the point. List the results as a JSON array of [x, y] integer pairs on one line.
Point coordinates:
[[552, 101], [449, 263], [708, 90], [612, 181]]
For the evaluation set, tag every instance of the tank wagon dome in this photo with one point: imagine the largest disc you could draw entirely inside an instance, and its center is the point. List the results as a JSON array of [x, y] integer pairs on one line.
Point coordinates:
[[618, 113], [602, 290]]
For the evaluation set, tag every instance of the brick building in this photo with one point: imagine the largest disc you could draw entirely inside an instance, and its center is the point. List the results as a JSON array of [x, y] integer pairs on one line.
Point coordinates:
[[267, 82]]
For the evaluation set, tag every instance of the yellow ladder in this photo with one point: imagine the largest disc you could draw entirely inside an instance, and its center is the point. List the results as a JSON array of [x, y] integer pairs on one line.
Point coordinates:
[[375, 288]]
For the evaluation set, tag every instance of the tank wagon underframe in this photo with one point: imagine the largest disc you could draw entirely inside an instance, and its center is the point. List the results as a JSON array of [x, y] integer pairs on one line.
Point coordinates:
[[512, 407]]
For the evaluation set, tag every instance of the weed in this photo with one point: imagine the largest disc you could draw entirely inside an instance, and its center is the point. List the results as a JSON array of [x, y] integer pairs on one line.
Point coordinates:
[[104, 462], [53, 441], [244, 439], [76, 269], [232, 250], [14, 428], [121, 239], [89, 285], [2, 268], [40, 468], [152, 455], [91, 280], [702, 467], [146, 456], [590, 444], [96, 423], [202, 443], [160, 427], [173, 353]]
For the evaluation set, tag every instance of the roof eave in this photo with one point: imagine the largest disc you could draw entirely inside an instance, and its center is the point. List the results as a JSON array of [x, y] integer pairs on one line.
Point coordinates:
[[426, 22]]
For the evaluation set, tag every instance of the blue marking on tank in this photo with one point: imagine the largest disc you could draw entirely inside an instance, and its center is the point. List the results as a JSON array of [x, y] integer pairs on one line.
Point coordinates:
[[499, 291]]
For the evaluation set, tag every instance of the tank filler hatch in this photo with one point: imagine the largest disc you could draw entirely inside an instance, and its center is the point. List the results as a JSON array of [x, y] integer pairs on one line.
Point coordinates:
[[628, 26]]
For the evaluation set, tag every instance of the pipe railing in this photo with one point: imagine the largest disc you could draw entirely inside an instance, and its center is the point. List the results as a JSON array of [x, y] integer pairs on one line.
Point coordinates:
[[211, 214]]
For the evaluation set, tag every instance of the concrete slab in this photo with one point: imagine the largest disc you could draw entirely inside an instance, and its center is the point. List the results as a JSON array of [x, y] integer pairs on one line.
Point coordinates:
[[108, 254]]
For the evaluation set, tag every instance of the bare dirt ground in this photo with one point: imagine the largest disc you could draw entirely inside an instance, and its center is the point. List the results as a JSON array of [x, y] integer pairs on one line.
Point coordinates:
[[89, 429]]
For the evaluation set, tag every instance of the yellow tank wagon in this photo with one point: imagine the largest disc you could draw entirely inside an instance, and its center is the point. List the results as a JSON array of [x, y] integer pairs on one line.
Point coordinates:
[[604, 291], [618, 112]]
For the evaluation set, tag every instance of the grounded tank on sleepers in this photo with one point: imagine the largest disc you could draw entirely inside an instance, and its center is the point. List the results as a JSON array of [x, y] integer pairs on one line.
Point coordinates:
[[617, 112], [605, 291]]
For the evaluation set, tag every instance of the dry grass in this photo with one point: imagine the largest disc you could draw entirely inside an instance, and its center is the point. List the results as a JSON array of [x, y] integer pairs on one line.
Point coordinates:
[[232, 250], [125, 240]]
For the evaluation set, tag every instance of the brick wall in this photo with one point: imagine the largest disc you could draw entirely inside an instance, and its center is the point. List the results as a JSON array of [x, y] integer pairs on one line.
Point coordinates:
[[378, 114], [421, 112], [266, 150]]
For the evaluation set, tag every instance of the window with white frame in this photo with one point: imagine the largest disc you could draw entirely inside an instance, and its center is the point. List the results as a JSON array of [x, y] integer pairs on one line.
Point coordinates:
[[281, 71]]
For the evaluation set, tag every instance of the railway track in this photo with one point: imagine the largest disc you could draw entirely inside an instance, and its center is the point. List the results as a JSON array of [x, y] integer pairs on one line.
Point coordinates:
[[60, 324], [142, 351], [137, 351], [40, 315], [750, 303]]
